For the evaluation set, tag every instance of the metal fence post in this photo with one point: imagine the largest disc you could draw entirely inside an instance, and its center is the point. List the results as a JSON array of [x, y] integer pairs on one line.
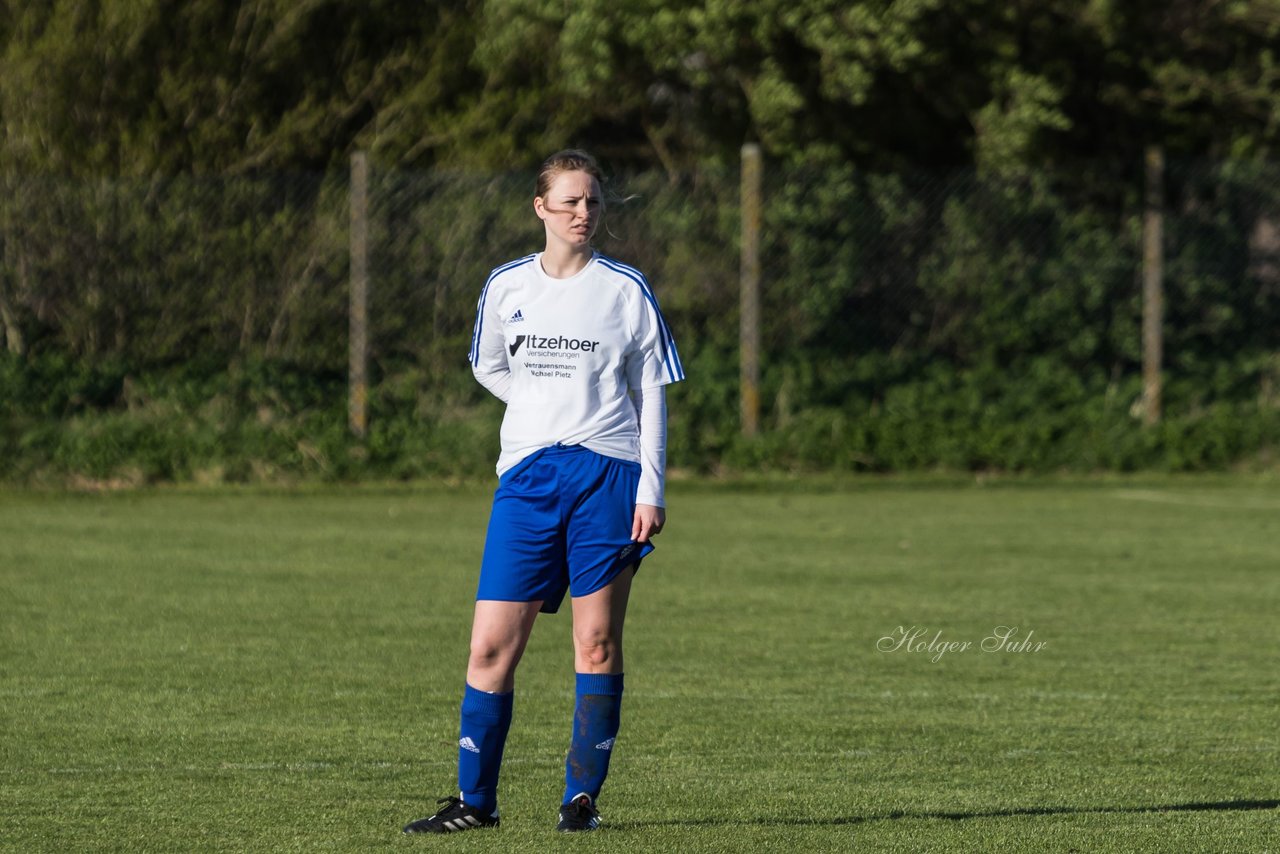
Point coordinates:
[[1152, 284], [749, 290], [358, 342]]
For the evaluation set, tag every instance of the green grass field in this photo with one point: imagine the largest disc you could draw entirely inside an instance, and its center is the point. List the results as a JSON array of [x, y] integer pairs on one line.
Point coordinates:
[[232, 670]]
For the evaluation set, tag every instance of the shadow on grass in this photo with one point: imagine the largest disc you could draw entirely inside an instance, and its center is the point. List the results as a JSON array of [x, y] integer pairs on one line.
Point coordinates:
[[1219, 806]]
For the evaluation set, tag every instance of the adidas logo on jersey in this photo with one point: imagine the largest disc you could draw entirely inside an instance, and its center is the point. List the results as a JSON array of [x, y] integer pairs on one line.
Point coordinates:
[[467, 744], [607, 744], [517, 317]]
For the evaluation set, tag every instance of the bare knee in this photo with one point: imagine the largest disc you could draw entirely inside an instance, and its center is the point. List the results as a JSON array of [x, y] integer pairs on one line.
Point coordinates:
[[487, 655], [596, 647], [491, 666]]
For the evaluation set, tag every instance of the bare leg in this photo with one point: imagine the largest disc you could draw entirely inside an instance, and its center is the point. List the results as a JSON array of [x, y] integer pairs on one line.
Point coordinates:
[[597, 626], [499, 633]]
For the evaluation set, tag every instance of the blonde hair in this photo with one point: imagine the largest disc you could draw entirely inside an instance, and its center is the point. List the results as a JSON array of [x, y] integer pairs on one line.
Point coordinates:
[[569, 160]]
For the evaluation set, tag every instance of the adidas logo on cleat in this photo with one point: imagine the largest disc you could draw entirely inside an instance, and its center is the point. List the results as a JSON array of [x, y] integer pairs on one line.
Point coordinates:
[[465, 823], [468, 744]]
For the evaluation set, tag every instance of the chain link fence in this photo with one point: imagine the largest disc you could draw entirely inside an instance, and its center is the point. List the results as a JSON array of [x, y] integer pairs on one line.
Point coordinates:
[[912, 302]]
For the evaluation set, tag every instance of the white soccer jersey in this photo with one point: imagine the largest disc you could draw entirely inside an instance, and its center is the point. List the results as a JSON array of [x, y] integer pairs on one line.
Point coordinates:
[[574, 348]]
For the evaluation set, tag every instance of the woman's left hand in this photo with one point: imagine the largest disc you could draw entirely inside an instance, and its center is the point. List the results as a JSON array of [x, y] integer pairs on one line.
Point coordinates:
[[648, 522]]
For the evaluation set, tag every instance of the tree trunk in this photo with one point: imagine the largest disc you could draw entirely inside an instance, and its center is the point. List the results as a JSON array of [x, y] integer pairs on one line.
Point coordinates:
[[14, 341]]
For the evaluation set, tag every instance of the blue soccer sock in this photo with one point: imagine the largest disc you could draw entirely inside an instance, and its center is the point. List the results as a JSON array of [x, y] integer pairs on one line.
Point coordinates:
[[485, 721], [596, 717]]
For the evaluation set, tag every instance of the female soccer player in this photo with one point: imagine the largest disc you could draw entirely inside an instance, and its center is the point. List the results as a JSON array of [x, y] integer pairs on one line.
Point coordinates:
[[574, 344]]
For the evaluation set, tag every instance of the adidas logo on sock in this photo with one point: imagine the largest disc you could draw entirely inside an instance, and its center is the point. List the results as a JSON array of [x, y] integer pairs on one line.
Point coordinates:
[[467, 744], [607, 744]]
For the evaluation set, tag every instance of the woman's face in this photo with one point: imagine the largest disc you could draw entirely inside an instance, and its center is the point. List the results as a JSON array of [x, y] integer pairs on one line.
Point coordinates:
[[571, 208]]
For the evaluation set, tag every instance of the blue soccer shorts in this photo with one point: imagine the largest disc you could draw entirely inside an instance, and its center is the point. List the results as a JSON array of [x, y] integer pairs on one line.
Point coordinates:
[[561, 521]]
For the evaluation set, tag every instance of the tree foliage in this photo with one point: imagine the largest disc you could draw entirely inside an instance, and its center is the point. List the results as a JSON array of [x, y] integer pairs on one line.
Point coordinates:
[[136, 87]]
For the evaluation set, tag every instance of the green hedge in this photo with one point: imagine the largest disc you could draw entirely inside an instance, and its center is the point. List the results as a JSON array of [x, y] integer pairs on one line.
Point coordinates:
[[268, 423]]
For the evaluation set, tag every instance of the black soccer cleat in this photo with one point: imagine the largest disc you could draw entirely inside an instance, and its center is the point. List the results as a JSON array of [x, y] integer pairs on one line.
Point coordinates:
[[578, 815], [453, 817]]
